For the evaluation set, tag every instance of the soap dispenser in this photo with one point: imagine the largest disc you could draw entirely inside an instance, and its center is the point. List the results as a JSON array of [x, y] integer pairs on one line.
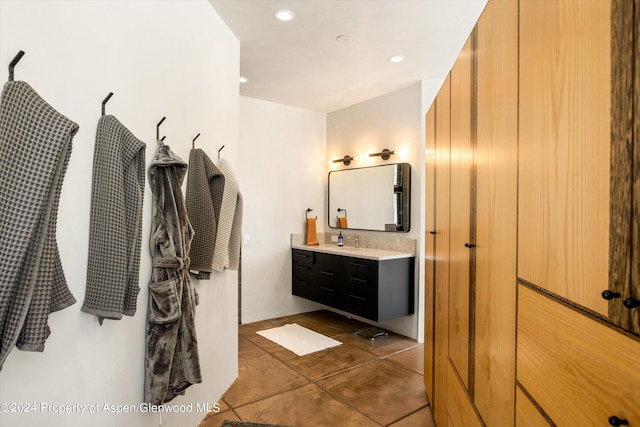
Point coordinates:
[[340, 240]]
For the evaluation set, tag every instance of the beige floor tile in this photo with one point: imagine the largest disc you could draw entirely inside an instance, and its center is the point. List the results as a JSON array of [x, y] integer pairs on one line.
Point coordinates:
[[260, 377], [412, 359], [307, 406], [248, 350], [421, 418], [383, 390], [359, 383], [330, 361], [381, 346]]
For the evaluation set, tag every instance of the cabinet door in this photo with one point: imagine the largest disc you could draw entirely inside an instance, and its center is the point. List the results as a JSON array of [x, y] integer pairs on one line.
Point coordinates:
[[429, 249], [564, 148], [579, 371], [496, 155], [441, 250], [460, 293]]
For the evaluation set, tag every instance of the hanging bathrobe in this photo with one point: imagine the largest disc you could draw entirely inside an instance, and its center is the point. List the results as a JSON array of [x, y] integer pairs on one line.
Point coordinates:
[[35, 147], [205, 185], [115, 227], [172, 362], [229, 235]]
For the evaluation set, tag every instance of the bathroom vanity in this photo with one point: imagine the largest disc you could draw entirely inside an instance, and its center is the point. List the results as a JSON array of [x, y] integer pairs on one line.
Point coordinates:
[[375, 284]]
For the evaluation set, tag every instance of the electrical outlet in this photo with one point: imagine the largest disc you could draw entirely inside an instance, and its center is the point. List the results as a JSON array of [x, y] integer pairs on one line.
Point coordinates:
[[245, 240], [334, 239]]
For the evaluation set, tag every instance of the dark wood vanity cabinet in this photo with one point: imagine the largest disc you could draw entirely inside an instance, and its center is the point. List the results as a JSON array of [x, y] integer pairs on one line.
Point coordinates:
[[372, 289]]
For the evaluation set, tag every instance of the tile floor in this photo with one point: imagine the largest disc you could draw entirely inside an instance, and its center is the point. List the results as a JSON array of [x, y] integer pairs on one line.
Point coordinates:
[[359, 383]]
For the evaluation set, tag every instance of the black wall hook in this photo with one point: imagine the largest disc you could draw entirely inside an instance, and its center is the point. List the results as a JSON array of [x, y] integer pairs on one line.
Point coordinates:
[[193, 142], [158, 131], [220, 151], [13, 63], [105, 101]]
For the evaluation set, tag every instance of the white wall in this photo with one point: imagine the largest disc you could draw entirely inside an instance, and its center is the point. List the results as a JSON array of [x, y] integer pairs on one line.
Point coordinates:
[[163, 58], [282, 173], [391, 121]]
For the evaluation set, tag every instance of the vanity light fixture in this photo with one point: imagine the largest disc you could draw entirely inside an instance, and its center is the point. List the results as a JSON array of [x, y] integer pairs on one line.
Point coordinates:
[[346, 160], [385, 154], [284, 15]]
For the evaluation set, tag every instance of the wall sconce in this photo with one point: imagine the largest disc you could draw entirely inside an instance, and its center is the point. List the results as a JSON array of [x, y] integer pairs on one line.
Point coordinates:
[[384, 154], [346, 160]]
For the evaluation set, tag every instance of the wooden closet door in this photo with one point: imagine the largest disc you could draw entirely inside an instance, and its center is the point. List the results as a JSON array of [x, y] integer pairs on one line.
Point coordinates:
[[564, 148], [496, 157], [441, 251], [460, 291], [429, 248]]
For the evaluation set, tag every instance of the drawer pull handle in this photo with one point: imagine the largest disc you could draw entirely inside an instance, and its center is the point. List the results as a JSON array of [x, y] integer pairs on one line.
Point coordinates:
[[615, 421], [302, 267], [357, 264], [357, 297], [469, 245], [432, 232], [327, 273], [302, 282], [301, 255], [327, 289], [631, 303], [609, 295], [357, 279]]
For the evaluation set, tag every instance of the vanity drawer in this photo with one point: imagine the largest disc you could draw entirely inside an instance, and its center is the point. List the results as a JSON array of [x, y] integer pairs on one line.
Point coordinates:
[[302, 257], [578, 370]]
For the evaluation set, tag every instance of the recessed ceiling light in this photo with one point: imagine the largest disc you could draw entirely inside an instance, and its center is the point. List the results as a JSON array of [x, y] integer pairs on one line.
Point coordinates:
[[242, 80], [284, 15], [396, 59]]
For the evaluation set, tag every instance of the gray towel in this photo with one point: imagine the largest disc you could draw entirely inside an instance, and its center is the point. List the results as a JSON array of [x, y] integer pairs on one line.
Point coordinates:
[[229, 234], [115, 230], [35, 142], [205, 184]]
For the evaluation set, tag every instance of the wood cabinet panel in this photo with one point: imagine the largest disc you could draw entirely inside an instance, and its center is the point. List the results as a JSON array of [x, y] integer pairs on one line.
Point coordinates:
[[564, 148], [460, 338], [624, 241], [441, 250], [527, 415], [459, 407], [429, 249], [496, 157], [578, 370]]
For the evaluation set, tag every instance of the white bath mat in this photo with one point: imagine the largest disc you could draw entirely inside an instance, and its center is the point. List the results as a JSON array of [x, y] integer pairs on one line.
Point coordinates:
[[298, 339]]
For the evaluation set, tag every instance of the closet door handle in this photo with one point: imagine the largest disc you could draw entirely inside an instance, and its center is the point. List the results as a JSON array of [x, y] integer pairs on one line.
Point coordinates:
[[432, 232], [609, 295], [615, 421], [469, 245], [631, 303]]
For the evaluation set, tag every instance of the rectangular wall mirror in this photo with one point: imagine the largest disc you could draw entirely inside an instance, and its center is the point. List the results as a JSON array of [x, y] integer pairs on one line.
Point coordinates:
[[374, 198]]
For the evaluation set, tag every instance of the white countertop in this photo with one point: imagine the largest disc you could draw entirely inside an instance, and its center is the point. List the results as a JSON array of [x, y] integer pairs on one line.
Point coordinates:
[[366, 253]]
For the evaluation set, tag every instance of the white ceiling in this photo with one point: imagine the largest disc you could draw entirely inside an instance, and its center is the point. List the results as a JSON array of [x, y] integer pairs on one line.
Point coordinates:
[[300, 63]]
